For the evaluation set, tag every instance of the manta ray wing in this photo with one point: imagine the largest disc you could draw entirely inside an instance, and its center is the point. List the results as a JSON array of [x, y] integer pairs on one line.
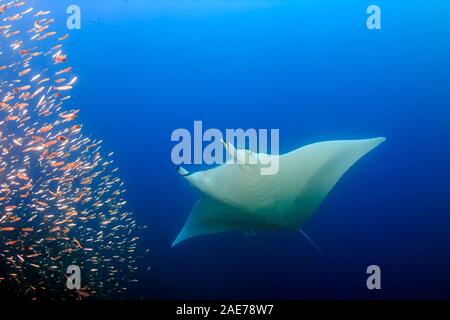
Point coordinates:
[[209, 216], [308, 174]]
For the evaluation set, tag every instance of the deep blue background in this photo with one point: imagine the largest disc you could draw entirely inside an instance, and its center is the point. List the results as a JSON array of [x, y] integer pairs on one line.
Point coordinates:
[[312, 69]]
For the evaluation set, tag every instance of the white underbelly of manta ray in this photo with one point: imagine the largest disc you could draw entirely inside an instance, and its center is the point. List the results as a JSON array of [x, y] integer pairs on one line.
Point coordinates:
[[236, 196]]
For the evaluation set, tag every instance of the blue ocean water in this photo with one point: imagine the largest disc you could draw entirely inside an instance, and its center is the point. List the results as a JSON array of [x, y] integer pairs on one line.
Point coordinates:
[[311, 69]]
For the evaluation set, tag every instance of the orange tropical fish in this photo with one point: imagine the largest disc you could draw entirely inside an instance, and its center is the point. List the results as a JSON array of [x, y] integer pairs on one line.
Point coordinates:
[[14, 17], [64, 70], [8, 229], [60, 58], [77, 243], [21, 105], [11, 118], [70, 166], [24, 72], [22, 176], [69, 116], [64, 37], [38, 138], [57, 164], [25, 187], [63, 88], [46, 128], [50, 143]]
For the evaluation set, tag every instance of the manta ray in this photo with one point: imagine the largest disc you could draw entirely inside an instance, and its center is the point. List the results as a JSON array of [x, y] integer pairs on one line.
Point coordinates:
[[237, 197]]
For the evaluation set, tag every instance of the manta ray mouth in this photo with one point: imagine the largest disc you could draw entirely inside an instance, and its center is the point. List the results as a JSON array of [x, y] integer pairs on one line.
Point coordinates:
[[183, 172]]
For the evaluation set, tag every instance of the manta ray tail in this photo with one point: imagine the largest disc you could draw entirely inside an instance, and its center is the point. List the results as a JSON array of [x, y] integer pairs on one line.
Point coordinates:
[[312, 242]]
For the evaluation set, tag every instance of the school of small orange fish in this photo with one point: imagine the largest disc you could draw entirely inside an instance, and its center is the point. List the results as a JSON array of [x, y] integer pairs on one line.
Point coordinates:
[[61, 202]]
